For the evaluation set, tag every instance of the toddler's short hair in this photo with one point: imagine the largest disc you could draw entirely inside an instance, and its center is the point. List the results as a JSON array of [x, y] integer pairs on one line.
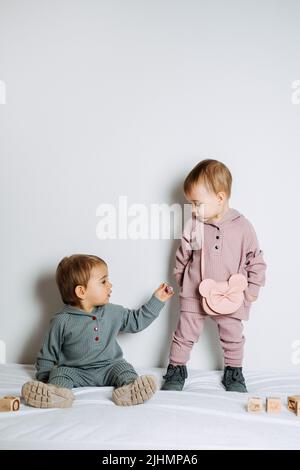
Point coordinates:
[[214, 174], [73, 271]]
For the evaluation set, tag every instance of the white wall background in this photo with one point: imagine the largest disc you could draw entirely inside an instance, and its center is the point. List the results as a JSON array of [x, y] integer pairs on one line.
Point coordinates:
[[110, 98]]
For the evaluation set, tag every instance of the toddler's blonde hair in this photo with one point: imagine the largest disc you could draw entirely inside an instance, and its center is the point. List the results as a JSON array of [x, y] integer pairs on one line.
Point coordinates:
[[214, 174]]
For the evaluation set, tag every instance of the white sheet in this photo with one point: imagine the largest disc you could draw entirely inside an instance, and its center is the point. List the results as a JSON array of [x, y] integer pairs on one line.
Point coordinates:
[[203, 416]]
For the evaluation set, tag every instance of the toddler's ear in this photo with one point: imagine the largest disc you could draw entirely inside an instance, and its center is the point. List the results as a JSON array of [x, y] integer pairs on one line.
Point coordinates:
[[238, 280], [206, 286]]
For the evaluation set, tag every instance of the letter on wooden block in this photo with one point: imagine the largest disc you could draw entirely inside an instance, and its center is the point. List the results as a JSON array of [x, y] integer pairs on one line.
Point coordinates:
[[273, 405], [9, 403], [255, 405], [292, 401], [298, 407]]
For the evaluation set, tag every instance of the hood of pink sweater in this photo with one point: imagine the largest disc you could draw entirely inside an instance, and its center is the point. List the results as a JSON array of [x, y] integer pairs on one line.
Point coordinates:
[[229, 216]]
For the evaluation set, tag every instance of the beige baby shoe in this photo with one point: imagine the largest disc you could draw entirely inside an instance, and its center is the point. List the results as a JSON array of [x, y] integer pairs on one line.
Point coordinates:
[[136, 392], [41, 395]]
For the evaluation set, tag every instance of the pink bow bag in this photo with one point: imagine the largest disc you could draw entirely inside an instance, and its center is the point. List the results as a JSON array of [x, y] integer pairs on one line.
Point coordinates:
[[224, 297]]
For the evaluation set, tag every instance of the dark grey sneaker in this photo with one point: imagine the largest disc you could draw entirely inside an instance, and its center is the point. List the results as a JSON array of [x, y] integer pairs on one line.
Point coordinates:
[[174, 378], [233, 380]]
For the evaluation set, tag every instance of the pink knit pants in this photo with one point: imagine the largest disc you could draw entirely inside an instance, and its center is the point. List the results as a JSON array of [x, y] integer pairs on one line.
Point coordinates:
[[190, 327]]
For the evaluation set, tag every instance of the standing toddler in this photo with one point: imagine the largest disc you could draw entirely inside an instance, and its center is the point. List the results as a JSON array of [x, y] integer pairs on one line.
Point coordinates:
[[230, 247]]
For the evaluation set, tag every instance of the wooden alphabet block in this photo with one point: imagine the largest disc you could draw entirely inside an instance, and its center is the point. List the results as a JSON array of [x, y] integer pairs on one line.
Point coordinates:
[[298, 407], [255, 405], [292, 402], [9, 403], [273, 405]]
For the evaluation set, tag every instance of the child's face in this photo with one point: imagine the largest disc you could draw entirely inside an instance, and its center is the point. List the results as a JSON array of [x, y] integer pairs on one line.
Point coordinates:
[[98, 289], [205, 203]]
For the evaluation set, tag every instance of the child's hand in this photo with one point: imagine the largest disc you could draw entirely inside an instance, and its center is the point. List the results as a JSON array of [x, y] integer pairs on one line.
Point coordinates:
[[250, 298], [164, 292]]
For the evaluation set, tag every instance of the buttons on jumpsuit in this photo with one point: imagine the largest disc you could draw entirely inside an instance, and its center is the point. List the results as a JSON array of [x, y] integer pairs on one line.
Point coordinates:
[[217, 237], [95, 328]]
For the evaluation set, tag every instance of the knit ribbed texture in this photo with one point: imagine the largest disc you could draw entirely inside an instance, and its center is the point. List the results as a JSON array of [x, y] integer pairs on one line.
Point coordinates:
[[121, 373], [89, 340], [190, 327], [65, 377], [230, 247], [116, 374]]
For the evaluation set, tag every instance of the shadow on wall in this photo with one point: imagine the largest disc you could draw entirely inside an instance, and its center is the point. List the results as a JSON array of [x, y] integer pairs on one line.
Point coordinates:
[[49, 300], [209, 335]]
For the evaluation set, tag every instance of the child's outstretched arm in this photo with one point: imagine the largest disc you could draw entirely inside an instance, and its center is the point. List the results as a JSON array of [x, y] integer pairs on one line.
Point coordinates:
[[255, 266], [139, 319], [49, 352]]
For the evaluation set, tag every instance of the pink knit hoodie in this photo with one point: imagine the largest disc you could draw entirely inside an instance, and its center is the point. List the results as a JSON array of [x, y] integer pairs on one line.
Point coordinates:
[[230, 247]]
